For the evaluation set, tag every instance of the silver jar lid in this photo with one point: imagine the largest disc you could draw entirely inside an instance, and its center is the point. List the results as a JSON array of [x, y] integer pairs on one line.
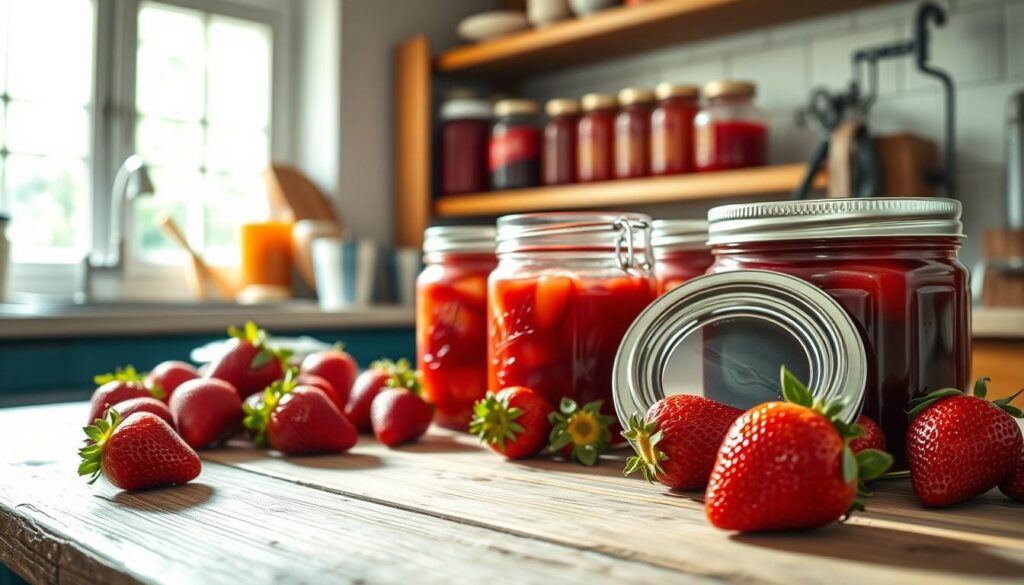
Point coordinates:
[[834, 218], [726, 336], [679, 234], [459, 238], [627, 235]]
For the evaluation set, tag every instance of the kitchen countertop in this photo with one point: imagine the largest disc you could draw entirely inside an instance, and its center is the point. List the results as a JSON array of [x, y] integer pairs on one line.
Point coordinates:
[[446, 510]]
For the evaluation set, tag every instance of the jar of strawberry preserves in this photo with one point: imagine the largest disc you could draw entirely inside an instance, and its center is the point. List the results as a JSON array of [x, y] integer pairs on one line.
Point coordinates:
[[680, 251], [567, 287], [451, 319], [730, 132], [891, 263]]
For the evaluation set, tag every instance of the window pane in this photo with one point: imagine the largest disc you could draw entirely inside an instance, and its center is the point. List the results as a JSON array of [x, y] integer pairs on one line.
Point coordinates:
[[231, 149], [47, 198], [239, 73], [4, 20], [170, 66], [50, 52], [173, 191], [169, 144], [37, 128], [232, 201]]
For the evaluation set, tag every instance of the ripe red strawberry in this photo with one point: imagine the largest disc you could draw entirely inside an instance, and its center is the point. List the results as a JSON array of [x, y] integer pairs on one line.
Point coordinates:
[[677, 440], [145, 404], [399, 416], [206, 411], [139, 452], [1013, 485], [298, 420], [327, 388], [169, 375], [382, 374], [788, 466], [959, 446], [872, 437], [513, 422], [336, 366], [123, 384], [249, 363], [580, 434]]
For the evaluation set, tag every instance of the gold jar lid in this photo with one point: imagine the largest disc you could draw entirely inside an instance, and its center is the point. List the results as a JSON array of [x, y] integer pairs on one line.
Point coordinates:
[[728, 88], [515, 107], [598, 101], [635, 95], [665, 90], [562, 107]]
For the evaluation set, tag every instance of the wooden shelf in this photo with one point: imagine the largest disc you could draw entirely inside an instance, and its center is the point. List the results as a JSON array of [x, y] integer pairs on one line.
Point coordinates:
[[628, 29], [760, 181]]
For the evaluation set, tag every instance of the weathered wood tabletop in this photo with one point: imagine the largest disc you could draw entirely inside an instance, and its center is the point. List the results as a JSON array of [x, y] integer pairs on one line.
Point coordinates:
[[446, 511]]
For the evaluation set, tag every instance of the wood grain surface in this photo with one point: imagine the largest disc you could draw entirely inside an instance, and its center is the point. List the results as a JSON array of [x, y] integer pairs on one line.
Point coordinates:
[[445, 510]]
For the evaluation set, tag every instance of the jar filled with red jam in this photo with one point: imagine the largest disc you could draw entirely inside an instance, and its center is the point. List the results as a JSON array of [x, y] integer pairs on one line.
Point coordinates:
[[451, 319], [730, 132], [672, 140], [633, 133], [891, 263], [465, 130], [559, 166], [514, 150], [567, 287], [680, 251], [595, 159]]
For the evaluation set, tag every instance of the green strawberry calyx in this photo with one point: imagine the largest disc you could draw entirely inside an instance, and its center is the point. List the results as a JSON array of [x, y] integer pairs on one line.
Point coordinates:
[[861, 467], [401, 375], [98, 434], [919, 405], [258, 416], [586, 429], [129, 375], [494, 420], [644, 437], [258, 338]]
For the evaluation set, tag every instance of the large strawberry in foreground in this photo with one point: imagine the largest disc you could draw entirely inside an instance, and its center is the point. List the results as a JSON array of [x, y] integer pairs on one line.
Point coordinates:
[[513, 422], [124, 384], [138, 452], [249, 363], [677, 440], [788, 466], [959, 446]]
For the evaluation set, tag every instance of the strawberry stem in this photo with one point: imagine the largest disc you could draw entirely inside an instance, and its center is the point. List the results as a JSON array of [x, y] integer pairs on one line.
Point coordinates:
[[586, 429], [495, 421], [98, 434], [644, 437], [257, 417]]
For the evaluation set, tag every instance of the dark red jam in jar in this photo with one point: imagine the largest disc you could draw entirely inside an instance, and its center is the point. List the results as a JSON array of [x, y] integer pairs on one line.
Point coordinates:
[[596, 138], [633, 133], [451, 319], [465, 130], [514, 151], [680, 251], [672, 140], [567, 287], [730, 132], [559, 166], [891, 263]]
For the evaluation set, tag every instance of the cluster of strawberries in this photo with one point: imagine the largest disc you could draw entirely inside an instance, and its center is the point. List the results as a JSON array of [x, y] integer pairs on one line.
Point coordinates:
[[144, 430]]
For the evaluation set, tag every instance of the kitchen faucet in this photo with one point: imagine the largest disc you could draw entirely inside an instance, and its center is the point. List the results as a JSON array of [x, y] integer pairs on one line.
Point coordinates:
[[130, 181]]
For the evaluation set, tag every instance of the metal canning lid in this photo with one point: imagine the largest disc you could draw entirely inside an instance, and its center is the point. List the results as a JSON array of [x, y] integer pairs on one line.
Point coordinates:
[[627, 235], [726, 336], [561, 107], [515, 107], [459, 238], [635, 95], [665, 90], [598, 101], [679, 234], [465, 109], [834, 218], [726, 87]]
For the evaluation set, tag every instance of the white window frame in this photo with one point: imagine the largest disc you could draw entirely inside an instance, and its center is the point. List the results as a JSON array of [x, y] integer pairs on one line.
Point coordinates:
[[113, 129]]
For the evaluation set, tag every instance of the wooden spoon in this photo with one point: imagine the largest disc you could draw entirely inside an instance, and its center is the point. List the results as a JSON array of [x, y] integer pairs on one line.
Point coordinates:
[[202, 273]]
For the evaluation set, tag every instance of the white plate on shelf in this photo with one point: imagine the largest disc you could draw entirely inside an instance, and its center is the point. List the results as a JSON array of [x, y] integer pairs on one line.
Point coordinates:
[[491, 25], [300, 347]]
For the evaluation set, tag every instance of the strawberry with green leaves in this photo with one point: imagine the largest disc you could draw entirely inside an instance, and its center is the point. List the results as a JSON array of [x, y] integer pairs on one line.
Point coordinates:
[[789, 466], [960, 446], [513, 422], [382, 374], [398, 413], [249, 362], [138, 452], [124, 384], [580, 433]]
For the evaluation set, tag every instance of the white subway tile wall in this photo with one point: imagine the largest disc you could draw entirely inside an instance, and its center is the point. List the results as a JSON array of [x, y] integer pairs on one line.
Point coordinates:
[[982, 46]]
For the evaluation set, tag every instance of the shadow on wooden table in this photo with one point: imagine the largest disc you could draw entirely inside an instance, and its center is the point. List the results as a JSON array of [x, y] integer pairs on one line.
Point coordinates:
[[897, 548], [165, 500]]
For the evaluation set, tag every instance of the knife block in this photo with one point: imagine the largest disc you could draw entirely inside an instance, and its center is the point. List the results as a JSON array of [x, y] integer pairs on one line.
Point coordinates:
[[1003, 285]]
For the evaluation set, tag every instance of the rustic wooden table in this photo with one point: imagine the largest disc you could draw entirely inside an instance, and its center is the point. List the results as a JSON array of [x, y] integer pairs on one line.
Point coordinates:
[[446, 511]]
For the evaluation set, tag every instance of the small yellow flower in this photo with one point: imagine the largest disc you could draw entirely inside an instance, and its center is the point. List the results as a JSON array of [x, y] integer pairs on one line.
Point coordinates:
[[584, 428]]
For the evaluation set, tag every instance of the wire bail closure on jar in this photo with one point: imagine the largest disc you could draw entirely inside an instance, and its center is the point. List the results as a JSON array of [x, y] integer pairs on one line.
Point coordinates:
[[626, 236], [590, 232]]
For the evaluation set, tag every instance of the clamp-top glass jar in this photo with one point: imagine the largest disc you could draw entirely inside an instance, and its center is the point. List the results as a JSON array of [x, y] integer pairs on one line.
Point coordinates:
[[892, 265], [567, 287], [451, 319]]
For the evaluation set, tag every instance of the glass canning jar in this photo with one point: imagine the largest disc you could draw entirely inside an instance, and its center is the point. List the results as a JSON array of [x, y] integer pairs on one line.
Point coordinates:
[[680, 251], [633, 133], [559, 166], [595, 158], [730, 132], [672, 140], [465, 130], [891, 263], [514, 149], [566, 288], [451, 319]]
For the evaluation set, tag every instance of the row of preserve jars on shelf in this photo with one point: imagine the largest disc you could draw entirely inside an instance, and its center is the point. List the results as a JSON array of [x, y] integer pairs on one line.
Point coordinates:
[[863, 298], [639, 133]]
